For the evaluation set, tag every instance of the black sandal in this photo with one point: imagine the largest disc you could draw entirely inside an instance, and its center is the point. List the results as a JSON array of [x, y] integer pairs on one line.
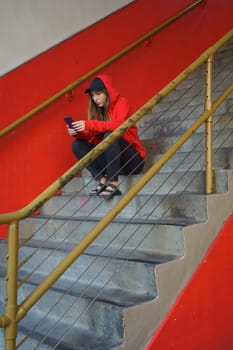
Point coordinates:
[[110, 191], [97, 190]]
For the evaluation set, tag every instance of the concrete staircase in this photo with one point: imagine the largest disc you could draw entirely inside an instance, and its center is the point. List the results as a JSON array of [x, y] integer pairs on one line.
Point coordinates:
[[116, 294]]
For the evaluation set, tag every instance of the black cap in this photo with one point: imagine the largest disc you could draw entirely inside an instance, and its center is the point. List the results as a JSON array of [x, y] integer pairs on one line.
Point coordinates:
[[96, 85]]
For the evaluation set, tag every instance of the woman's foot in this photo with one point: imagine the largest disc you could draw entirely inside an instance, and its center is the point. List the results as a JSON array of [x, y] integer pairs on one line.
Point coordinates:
[[110, 190], [100, 187]]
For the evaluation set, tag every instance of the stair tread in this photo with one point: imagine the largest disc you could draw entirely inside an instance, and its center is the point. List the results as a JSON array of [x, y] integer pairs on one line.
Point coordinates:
[[107, 278], [190, 205], [163, 183], [77, 316], [109, 295], [72, 336], [170, 221], [154, 242]]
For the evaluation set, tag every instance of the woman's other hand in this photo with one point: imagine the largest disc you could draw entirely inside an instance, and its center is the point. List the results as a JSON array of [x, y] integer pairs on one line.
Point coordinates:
[[71, 132]]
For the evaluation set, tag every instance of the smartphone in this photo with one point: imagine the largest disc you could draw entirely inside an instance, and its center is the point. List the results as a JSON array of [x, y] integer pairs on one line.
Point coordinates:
[[69, 121]]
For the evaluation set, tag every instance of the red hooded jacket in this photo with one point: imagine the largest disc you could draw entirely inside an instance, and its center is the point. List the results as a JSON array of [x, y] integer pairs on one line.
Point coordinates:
[[119, 112]]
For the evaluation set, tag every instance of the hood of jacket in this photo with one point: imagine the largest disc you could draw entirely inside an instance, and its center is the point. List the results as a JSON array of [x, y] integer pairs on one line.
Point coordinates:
[[112, 91]]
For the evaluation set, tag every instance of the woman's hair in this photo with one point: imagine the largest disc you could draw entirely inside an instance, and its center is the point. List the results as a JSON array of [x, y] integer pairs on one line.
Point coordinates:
[[98, 113]]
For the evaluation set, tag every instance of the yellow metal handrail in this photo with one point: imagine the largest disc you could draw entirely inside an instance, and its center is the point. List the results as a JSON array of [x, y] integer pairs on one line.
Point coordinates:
[[97, 69], [13, 312]]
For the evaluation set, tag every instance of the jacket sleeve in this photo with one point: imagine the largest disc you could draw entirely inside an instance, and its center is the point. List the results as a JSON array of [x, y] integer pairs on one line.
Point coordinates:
[[118, 115], [89, 135]]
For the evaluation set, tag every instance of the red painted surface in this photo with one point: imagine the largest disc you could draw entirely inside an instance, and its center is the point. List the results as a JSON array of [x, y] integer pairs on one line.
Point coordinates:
[[38, 152], [201, 318]]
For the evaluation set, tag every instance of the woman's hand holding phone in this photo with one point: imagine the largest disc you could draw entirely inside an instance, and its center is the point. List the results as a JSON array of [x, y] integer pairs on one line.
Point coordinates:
[[74, 127], [69, 123], [79, 125]]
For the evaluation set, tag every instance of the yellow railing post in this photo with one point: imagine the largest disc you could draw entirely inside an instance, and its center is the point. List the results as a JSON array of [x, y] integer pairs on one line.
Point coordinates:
[[209, 126], [11, 287]]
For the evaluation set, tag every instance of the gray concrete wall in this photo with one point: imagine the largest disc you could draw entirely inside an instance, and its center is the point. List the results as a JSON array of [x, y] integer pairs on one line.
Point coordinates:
[[29, 27]]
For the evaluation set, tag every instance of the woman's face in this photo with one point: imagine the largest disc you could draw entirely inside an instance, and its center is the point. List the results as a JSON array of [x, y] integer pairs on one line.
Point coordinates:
[[99, 97]]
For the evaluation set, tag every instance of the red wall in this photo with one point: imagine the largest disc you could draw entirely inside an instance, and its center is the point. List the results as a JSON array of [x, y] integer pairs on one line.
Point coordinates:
[[37, 152], [202, 317]]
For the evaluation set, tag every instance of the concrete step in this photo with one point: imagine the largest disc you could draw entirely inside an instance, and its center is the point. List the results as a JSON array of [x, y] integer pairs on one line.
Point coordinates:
[[138, 241], [77, 323], [187, 205], [162, 183], [176, 122], [223, 139], [74, 339], [192, 86], [223, 80], [30, 343], [112, 279], [191, 161], [188, 97]]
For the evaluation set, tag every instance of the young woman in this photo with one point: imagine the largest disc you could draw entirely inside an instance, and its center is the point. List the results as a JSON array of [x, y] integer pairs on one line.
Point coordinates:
[[107, 111]]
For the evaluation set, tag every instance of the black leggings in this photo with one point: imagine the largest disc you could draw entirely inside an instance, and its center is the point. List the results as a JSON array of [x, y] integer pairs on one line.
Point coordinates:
[[120, 158]]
